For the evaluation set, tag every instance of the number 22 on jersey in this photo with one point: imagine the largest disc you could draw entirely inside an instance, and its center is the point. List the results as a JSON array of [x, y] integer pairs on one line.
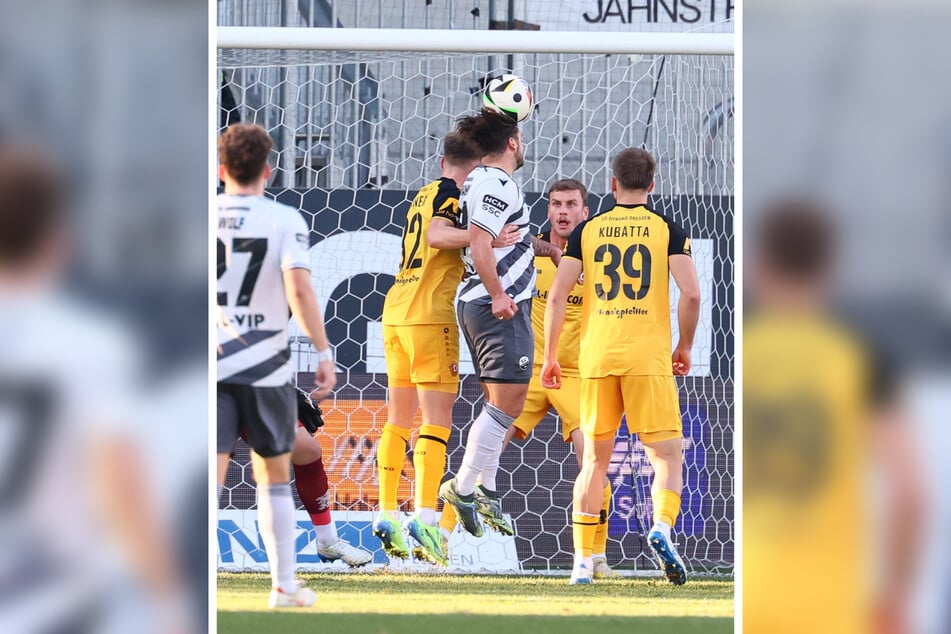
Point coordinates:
[[412, 234]]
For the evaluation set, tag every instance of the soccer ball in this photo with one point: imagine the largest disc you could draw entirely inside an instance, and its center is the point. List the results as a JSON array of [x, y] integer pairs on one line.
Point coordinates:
[[509, 94]]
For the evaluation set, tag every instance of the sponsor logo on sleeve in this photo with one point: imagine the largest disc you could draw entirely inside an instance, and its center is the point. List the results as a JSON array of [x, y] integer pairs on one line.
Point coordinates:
[[303, 240], [450, 208], [493, 205]]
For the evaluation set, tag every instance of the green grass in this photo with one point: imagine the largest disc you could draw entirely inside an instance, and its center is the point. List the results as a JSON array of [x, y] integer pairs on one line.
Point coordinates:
[[452, 604]]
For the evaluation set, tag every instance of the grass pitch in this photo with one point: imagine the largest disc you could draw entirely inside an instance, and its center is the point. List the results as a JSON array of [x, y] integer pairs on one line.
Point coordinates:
[[440, 604]]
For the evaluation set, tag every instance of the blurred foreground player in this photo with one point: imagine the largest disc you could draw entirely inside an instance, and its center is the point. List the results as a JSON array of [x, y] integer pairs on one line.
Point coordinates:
[[819, 409], [263, 272], [87, 540]]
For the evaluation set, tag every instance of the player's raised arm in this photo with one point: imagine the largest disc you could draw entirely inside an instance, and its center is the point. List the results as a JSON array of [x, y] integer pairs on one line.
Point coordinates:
[[688, 309], [569, 270]]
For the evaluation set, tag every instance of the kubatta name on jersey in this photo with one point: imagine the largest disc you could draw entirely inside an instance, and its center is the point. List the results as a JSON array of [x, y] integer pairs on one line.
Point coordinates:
[[630, 231]]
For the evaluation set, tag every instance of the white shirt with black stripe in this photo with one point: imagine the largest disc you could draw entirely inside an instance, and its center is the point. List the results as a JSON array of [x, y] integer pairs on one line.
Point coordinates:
[[258, 239], [490, 200]]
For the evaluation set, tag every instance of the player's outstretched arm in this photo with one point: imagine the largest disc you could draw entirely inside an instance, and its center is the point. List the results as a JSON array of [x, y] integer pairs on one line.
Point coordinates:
[[303, 303], [565, 277], [688, 309], [442, 235]]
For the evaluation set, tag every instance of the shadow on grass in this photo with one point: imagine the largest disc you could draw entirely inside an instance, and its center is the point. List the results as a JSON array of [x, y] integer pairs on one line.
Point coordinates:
[[308, 622]]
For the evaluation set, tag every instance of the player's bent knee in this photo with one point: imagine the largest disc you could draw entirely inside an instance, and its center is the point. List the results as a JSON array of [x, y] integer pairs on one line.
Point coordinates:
[[306, 448]]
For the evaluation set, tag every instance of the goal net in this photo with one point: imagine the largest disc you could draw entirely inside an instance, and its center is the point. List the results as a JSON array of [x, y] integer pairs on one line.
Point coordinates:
[[358, 133]]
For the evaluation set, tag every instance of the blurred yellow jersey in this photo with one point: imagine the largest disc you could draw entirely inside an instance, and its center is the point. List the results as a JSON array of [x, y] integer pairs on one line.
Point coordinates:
[[426, 283], [806, 561], [625, 321], [570, 343]]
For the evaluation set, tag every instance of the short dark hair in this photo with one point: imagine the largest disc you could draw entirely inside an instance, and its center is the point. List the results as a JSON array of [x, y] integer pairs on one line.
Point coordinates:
[[490, 131], [634, 168], [796, 239], [243, 149], [32, 199], [456, 148], [570, 185]]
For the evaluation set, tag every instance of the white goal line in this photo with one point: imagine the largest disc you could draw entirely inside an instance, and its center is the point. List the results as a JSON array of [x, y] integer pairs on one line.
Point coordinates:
[[471, 41]]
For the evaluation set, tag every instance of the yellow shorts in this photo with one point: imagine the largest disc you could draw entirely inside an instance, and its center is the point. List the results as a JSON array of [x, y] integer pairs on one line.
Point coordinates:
[[650, 403], [566, 401], [424, 356]]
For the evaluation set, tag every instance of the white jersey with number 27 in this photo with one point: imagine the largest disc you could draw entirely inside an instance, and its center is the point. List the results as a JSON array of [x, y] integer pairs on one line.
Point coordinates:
[[258, 239]]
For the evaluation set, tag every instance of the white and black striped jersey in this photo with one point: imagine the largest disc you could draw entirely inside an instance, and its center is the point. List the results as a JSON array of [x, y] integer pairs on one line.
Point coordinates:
[[491, 199], [258, 239]]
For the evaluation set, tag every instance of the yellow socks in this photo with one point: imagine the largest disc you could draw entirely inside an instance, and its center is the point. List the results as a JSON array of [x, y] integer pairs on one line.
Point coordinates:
[[666, 506], [390, 454], [583, 527], [601, 534], [448, 519], [429, 460]]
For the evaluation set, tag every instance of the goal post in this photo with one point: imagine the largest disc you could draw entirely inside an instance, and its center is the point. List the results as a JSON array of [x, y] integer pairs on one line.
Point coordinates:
[[357, 116], [450, 40]]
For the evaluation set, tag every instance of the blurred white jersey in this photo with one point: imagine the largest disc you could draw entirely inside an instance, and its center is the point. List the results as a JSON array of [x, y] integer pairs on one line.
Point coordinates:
[[258, 239], [68, 378]]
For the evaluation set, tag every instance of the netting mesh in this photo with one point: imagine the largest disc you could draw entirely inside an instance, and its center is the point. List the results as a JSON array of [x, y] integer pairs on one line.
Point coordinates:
[[357, 134]]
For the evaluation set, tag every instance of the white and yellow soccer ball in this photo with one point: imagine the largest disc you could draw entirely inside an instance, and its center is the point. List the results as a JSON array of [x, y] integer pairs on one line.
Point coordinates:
[[511, 95]]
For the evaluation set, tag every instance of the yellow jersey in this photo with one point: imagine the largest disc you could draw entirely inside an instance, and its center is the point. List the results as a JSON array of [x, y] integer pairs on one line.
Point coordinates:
[[426, 283], [806, 388], [570, 343], [625, 321]]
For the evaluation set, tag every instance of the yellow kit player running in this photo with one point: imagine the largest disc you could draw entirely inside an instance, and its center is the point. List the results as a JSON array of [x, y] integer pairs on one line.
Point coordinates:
[[421, 344], [627, 254]]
